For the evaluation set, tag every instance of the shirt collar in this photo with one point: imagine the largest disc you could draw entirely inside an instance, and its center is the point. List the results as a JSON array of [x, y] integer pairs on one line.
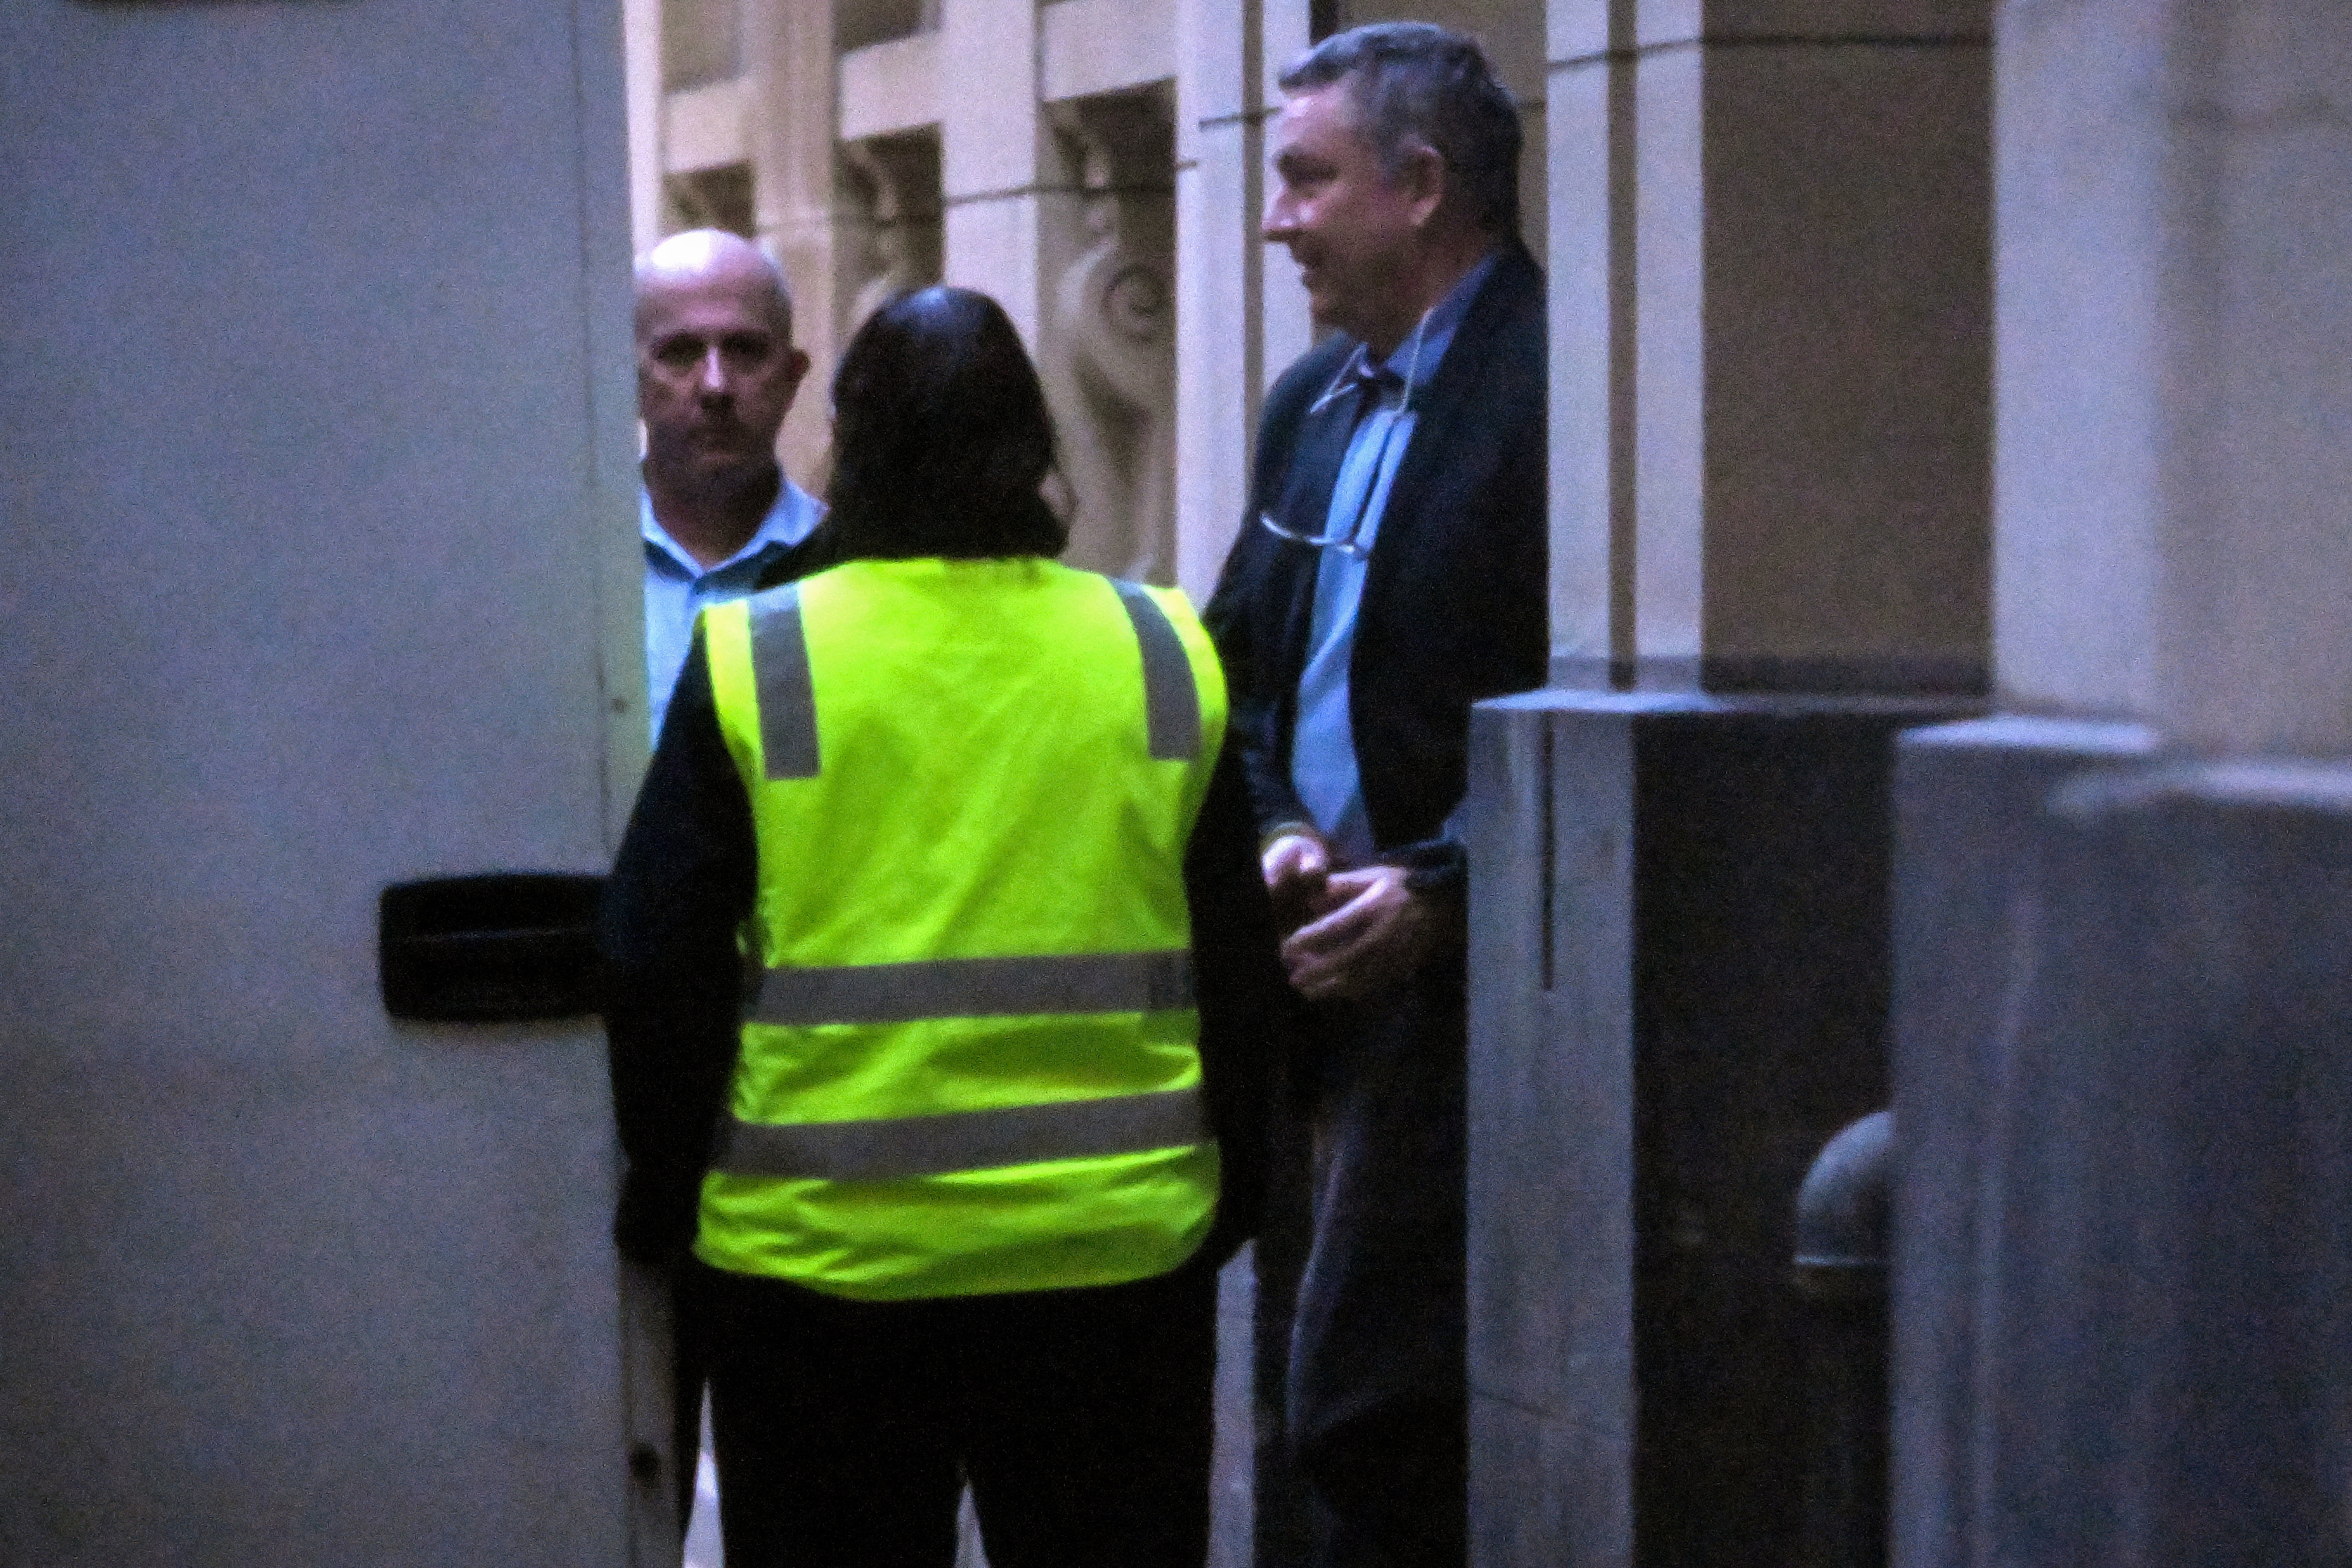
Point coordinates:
[[791, 519]]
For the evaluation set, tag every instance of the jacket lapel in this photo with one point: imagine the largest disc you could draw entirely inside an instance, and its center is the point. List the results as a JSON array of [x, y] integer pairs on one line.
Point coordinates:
[[1443, 435], [1305, 504]]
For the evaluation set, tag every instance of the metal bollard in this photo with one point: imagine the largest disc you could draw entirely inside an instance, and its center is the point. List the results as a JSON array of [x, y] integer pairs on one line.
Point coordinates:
[[1843, 1218]]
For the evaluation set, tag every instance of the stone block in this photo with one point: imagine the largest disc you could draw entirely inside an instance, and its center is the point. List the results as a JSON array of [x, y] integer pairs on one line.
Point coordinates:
[[1670, 356], [1104, 46], [1218, 268], [1848, 309], [1524, 1520], [1678, 967], [1580, 31], [2175, 207], [1215, 68], [1771, 291], [890, 88], [990, 137], [1966, 796], [1585, 313], [2165, 1290]]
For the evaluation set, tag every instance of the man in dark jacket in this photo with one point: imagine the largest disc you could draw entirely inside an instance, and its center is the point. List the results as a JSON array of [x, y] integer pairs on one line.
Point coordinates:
[[1390, 571]]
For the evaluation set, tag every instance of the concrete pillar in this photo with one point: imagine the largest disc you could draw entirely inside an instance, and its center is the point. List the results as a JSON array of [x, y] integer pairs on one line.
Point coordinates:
[[1768, 344], [1287, 329], [1678, 959], [2175, 424], [801, 210], [1220, 190], [1967, 798], [1009, 203], [2164, 1268], [1769, 273], [2120, 1015], [641, 30]]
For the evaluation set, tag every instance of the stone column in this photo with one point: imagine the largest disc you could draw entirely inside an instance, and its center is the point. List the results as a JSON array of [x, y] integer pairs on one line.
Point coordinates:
[[1010, 205], [1286, 328], [799, 209], [641, 30], [1220, 192], [1769, 273], [2175, 427], [1769, 342], [2120, 1015]]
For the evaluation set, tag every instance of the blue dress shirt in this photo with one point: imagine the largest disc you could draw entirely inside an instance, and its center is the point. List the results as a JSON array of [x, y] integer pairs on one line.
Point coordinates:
[[676, 588], [1323, 744]]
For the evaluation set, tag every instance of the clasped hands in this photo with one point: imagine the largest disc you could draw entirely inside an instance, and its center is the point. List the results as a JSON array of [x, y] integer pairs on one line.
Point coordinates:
[[1347, 934]]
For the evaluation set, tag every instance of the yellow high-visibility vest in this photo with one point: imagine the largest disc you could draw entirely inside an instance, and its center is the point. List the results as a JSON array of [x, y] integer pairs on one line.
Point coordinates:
[[970, 1057]]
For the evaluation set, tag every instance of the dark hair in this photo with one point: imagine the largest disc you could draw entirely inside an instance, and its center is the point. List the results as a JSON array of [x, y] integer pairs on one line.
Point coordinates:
[[940, 435], [1415, 84]]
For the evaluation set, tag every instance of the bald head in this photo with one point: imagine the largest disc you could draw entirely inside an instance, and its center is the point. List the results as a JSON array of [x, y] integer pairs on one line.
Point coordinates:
[[716, 374], [701, 258]]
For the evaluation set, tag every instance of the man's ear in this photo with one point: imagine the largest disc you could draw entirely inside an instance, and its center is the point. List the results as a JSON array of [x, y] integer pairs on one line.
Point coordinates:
[[1423, 179], [797, 367]]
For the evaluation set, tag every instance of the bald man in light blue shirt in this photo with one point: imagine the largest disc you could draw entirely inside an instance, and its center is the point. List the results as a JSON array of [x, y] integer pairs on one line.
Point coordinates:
[[717, 373]]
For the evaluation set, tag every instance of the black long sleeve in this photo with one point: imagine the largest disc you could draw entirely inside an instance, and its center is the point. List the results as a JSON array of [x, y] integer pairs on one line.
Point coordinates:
[[672, 977], [1242, 994]]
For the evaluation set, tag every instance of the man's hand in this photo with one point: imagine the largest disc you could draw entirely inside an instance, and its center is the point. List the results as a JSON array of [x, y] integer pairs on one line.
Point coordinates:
[[1376, 933], [1297, 867]]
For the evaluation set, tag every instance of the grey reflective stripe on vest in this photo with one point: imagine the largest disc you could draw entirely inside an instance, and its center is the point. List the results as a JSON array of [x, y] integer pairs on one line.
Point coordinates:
[[976, 988], [962, 1141], [780, 664], [1172, 705]]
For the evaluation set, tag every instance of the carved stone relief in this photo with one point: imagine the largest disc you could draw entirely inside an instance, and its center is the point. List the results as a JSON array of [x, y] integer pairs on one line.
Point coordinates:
[[1108, 358], [895, 184]]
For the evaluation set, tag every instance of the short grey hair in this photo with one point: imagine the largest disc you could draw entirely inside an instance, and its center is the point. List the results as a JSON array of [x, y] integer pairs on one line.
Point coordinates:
[[1414, 85]]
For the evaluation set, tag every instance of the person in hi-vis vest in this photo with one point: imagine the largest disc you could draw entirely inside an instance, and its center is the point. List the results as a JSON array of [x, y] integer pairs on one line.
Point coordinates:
[[937, 961]]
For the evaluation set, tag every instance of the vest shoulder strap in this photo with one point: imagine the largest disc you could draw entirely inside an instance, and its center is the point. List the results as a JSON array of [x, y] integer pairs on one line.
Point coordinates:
[[1171, 703], [787, 693], [779, 670]]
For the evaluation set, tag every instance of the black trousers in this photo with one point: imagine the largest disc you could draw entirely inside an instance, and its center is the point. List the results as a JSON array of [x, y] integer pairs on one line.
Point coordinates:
[[1375, 1394], [844, 1431]]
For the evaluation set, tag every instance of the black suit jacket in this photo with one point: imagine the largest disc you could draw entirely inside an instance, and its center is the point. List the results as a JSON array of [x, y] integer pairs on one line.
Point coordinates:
[[1453, 605]]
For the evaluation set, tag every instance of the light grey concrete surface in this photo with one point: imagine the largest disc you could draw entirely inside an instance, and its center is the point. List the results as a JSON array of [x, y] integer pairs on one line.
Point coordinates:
[[315, 447], [2163, 1293], [1966, 797], [2175, 436]]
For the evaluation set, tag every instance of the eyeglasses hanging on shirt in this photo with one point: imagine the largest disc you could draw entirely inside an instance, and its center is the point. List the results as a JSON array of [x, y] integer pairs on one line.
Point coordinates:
[[1359, 374]]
